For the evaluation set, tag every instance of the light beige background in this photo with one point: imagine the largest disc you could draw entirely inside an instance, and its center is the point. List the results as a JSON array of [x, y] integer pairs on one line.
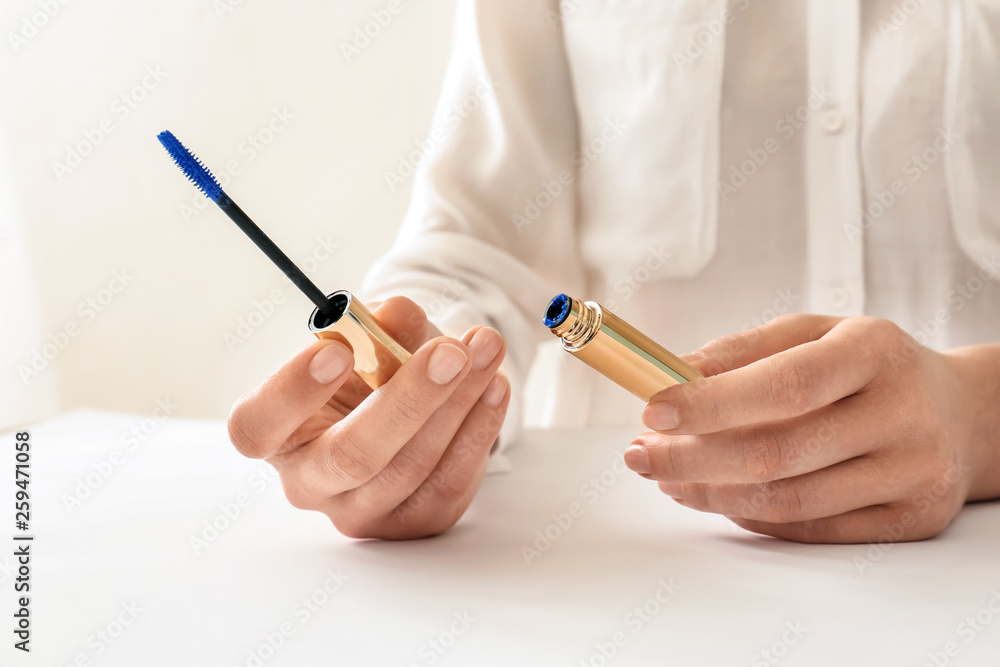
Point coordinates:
[[223, 73]]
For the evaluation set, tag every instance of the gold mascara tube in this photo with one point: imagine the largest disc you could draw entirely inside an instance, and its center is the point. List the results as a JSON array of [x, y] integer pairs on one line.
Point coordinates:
[[615, 348], [377, 356]]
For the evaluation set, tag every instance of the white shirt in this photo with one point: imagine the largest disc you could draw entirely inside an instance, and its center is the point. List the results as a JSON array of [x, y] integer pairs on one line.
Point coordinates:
[[701, 169]]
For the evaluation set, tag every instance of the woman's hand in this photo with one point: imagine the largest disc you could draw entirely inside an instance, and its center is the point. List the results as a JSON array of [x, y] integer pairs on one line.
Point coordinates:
[[825, 429], [401, 462]]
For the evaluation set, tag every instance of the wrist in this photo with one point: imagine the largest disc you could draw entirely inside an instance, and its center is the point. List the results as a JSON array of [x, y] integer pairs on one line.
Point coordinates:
[[977, 402]]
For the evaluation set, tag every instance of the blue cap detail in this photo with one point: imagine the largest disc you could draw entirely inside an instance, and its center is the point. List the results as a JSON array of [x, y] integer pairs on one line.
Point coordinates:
[[192, 167], [558, 311]]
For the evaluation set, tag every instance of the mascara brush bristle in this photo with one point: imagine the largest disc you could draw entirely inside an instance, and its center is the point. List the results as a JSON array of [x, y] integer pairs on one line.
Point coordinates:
[[192, 167]]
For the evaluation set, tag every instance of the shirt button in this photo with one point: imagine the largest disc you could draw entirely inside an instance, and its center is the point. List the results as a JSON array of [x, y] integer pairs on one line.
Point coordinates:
[[839, 297], [833, 121]]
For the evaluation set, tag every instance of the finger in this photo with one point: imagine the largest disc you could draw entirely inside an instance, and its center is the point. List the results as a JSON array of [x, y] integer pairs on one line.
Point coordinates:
[[261, 422], [406, 323], [419, 457], [404, 320], [355, 449], [442, 498], [847, 486], [740, 349], [782, 386], [765, 452], [882, 524]]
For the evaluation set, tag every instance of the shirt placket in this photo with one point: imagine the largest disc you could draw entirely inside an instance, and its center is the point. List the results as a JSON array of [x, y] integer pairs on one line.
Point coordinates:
[[833, 165]]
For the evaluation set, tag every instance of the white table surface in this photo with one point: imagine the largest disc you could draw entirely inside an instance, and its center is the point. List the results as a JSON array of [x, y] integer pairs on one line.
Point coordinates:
[[735, 594]]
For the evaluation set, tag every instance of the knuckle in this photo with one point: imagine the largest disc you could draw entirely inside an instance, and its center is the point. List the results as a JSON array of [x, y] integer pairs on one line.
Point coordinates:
[[444, 484], [461, 400], [245, 437], [448, 488], [734, 341], [764, 455], [792, 385], [408, 411], [785, 505], [455, 512], [881, 330], [666, 456], [298, 495], [404, 467], [353, 526], [722, 352], [937, 519], [792, 319], [882, 338], [348, 463], [705, 402]]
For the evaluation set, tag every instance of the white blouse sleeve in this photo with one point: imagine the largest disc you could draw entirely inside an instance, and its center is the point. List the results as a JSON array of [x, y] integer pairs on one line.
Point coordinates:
[[489, 236]]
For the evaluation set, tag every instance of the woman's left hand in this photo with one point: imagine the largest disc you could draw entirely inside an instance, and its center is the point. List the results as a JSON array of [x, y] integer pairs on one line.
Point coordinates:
[[827, 429]]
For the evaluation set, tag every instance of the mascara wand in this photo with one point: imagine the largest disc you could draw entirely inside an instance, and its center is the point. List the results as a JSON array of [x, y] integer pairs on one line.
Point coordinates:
[[198, 174]]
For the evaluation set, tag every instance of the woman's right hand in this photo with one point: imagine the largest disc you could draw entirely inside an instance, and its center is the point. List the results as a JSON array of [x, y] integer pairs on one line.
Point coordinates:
[[400, 462]]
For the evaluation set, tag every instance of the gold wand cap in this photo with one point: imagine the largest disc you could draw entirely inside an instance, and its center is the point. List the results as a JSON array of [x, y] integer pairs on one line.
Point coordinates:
[[377, 356], [615, 348]]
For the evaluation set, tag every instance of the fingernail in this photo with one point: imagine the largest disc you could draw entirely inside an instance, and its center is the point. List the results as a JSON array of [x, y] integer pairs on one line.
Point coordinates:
[[445, 363], [660, 416], [495, 391], [637, 458], [485, 345], [672, 489], [330, 363]]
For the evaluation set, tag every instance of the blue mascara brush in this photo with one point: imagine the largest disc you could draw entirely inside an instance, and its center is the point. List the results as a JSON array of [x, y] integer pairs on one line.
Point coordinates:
[[198, 174], [339, 316]]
